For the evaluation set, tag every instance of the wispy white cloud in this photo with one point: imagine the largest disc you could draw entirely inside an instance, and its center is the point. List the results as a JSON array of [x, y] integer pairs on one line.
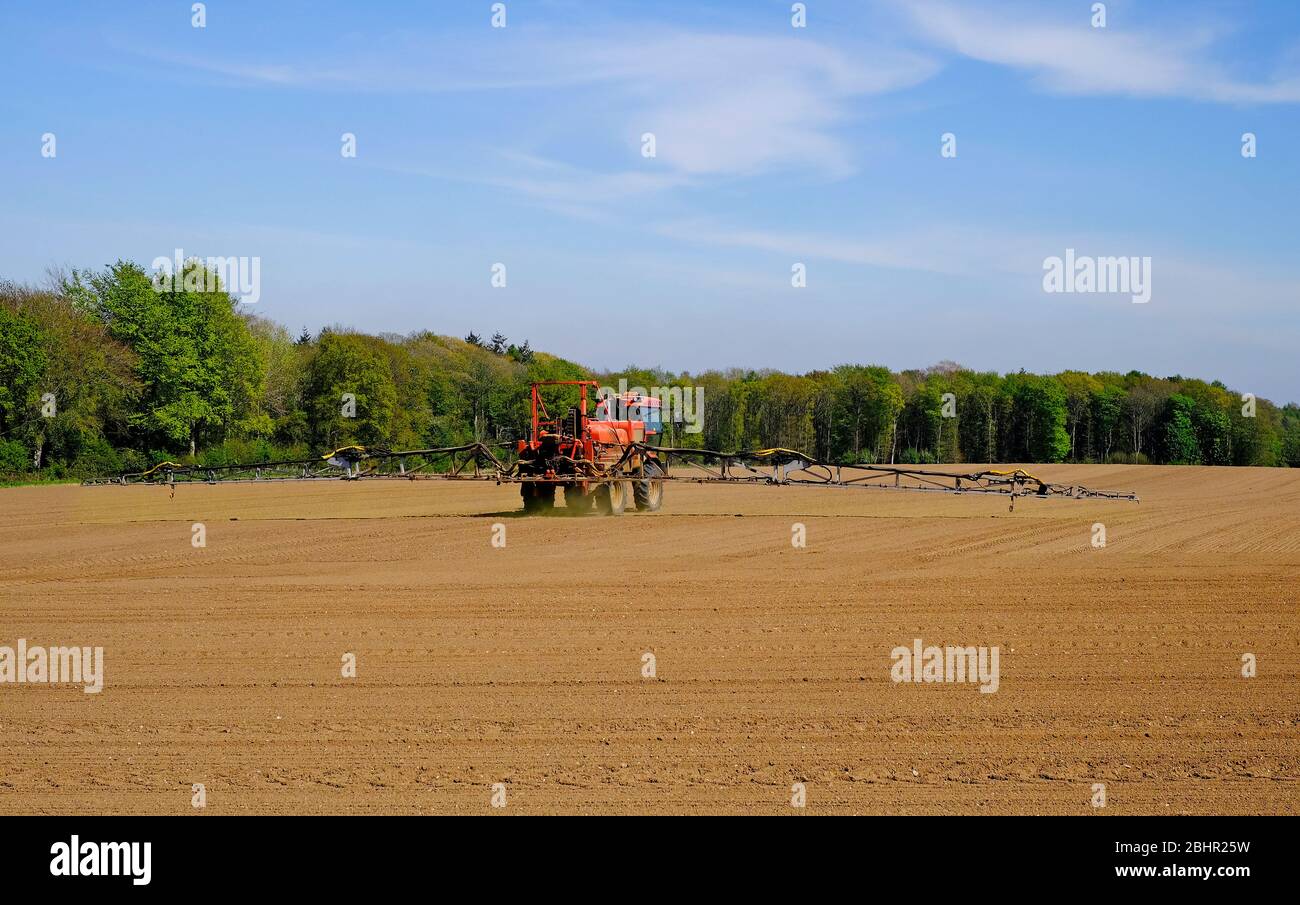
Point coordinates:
[[734, 104], [965, 250], [987, 255], [577, 192], [1073, 57], [554, 181], [720, 105]]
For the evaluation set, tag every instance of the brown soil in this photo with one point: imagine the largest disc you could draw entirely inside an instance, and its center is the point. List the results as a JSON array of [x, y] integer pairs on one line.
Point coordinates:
[[523, 665]]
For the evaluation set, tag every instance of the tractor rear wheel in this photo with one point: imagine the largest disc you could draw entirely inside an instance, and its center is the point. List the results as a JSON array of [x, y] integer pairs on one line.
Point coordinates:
[[649, 495], [575, 500], [538, 498], [611, 498]]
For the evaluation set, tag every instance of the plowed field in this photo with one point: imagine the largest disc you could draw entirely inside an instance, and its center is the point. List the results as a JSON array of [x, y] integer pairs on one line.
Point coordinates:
[[523, 665]]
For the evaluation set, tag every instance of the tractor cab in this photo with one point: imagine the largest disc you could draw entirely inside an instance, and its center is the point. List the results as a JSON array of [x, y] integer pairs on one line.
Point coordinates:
[[632, 408]]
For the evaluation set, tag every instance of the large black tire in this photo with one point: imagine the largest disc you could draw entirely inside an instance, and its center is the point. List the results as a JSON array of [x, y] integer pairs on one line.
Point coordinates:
[[575, 500], [649, 495], [538, 498], [611, 499]]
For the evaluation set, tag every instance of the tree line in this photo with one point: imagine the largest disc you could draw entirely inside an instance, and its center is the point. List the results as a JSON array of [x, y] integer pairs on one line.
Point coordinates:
[[103, 372]]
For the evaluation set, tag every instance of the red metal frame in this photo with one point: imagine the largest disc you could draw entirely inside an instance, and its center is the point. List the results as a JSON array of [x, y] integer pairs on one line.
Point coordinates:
[[541, 418]]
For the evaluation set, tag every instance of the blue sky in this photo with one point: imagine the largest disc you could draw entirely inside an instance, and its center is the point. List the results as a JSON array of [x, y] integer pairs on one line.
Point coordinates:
[[775, 145]]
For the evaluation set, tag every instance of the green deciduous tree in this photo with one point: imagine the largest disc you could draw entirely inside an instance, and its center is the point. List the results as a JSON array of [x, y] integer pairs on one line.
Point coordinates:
[[22, 364], [1038, 418], [1178, 441], [350, 395], [196, 361]]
